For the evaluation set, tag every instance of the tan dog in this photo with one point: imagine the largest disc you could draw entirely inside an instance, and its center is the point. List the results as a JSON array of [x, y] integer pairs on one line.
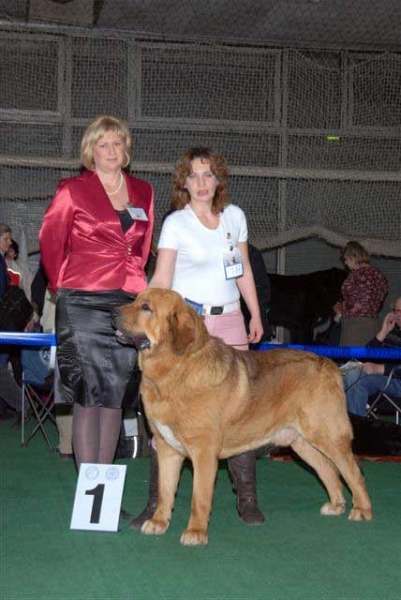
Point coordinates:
[[205, 401]]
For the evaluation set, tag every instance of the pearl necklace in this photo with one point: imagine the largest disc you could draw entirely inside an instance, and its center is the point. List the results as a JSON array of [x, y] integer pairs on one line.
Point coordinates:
[[118, 188]]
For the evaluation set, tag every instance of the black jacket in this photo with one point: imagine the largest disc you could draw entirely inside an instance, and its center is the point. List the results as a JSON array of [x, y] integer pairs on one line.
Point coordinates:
[[393, 340]]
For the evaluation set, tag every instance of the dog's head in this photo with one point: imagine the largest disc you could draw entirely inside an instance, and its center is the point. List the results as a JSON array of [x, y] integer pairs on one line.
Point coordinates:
[[159, 317]]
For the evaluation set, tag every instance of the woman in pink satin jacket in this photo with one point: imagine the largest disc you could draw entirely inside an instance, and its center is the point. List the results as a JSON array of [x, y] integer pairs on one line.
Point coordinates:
[[95, 241]]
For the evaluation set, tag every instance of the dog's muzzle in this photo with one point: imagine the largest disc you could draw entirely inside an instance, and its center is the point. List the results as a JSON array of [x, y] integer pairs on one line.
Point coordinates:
[[140, 341]]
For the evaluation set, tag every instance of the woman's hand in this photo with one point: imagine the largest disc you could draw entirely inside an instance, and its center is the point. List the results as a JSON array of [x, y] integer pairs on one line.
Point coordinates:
[[255, 330], [356, 308]]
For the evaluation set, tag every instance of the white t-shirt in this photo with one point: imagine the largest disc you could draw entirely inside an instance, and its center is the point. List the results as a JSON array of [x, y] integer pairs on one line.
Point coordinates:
[[199, 271]]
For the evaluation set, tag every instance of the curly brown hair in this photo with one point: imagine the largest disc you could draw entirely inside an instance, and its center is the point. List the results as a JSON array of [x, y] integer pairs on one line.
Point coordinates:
[[180, 196]]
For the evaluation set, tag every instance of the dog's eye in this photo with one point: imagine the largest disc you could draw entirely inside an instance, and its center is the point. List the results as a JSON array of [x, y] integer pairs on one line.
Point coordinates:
[[145, 306]]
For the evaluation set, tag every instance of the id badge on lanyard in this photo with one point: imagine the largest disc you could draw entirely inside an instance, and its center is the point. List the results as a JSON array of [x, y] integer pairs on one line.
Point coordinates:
[[232, 260], [138, 214]]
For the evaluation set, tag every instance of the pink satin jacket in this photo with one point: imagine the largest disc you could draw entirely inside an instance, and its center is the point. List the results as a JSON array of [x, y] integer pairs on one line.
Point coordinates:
[[81, 240]]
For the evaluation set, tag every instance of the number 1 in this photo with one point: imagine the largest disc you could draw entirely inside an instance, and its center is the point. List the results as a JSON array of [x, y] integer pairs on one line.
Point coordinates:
[[97, 494]]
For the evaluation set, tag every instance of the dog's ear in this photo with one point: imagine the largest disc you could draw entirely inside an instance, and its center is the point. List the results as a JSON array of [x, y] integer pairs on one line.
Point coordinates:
[[182, 331]]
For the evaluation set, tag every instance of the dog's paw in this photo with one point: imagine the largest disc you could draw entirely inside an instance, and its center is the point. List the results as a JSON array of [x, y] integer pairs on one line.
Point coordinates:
[[333, 509], [360, 514], [194, 537], [154, 527]]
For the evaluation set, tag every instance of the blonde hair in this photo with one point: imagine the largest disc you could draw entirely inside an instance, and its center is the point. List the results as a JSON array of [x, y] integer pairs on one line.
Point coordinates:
[[357, 252], [180, 196], [96, 130]]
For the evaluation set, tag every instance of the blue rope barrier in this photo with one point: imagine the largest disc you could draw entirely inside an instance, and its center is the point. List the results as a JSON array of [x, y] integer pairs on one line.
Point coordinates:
[[360, 352], [27, 339]]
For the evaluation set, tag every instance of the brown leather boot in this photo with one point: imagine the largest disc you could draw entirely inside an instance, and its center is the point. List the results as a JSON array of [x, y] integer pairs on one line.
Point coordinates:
[[243, 473], [150, 508]]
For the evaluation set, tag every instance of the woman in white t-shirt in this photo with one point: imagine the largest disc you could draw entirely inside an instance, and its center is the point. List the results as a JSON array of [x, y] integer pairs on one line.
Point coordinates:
[[203, 255]]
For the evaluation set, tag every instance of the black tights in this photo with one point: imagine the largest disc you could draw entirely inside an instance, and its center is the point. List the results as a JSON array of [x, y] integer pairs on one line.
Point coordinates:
[[95, 433]]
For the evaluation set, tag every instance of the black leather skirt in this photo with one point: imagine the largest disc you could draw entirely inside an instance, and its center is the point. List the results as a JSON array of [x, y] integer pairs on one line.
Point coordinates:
[[92, 368]]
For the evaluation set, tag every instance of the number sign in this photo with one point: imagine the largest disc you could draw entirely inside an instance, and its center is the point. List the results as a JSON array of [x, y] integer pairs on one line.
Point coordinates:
[[98, 497]]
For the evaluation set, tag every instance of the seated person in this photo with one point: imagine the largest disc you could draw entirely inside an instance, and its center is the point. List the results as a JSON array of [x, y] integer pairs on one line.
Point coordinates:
[[10, 392], [18, 269], [11, 257], [35, 363], [5, 241], [368, 379], [38, 371]]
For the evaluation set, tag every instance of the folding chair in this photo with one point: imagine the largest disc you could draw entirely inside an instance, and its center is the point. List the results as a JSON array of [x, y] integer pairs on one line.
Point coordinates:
[[39, 398], [384, 396]]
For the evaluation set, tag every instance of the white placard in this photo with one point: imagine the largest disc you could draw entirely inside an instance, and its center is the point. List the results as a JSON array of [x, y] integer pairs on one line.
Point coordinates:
[[98, 497]]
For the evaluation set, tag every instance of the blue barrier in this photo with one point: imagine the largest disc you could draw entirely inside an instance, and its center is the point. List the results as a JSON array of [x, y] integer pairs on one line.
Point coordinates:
[[27, 339], [359, 352]]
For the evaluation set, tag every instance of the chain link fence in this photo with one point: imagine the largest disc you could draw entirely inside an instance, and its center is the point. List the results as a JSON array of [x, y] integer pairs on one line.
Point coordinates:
[[303, 99]]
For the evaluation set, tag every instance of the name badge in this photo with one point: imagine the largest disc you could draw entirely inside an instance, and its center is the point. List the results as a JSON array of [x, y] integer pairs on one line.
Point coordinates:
[[233, 265], [138, 214]]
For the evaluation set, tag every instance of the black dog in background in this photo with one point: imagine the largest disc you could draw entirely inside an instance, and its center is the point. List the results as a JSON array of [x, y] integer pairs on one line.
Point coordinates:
[[375, 437], [372, 437], [302, 302]]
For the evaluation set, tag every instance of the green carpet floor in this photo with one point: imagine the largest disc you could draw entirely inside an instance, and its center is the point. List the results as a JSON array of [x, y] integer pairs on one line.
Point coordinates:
[[296, 555]]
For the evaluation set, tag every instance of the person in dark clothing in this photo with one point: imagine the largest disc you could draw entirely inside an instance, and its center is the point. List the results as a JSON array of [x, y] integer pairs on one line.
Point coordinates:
[[5, 241], [10, 391], [263, 291], [370, 378], [38, 289]]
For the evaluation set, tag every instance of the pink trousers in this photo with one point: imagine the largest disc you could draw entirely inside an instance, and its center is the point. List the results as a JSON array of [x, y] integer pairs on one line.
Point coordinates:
[[229, 327]]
